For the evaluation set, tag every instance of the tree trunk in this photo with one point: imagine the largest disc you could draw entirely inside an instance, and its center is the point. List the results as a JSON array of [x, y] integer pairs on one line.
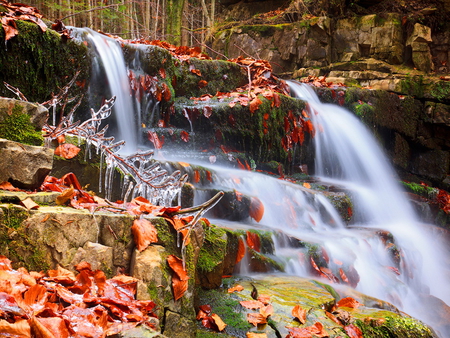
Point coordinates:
[[174, 11]]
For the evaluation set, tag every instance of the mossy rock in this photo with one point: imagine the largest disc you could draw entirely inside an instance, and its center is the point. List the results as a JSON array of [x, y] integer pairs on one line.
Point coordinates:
[[41, 63]]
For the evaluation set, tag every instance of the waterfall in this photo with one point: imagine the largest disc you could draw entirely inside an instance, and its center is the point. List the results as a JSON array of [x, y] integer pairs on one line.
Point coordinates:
[[108, 59], [347, 156]]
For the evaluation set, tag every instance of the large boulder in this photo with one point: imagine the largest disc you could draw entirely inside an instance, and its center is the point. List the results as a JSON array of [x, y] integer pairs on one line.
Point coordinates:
[[23, 165]]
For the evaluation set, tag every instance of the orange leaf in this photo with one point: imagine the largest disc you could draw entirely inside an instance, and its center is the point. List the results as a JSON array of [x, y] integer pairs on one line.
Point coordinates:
[[176, 265], [196, 176], [202, 83], [253, 241], [299, 313], [251, 304], [236, 288], [256, 318], [318, 330], [254, 104], [343, 276], [307, 185], [65, 196], [184, 136], [256, 209], [298, 332], [162, 73], [256, 335], [8, 186], [167, 95], [179, 287], [19, 329], [348, 302], [144, 233], [67, 151], [266, 311], [265, 299], [353, 331], [219, 322], [333, 318], [241, 250], [196, 72]]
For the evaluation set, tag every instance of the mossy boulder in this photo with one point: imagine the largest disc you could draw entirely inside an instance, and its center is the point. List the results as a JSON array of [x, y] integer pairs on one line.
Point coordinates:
[[41, 63]]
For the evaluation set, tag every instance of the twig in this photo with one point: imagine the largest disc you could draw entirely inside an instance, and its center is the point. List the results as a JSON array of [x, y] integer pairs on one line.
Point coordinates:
[[208, 204], [15, 91], [205, 45]]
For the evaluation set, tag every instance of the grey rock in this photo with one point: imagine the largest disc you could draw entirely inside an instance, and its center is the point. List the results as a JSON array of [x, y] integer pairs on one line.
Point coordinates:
[[38, 114], [23, 165]]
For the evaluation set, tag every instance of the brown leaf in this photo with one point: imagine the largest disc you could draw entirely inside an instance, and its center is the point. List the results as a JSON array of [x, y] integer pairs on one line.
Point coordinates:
[[144, 233], [29, 204], [298, 332], [184, 136], [318, 330], [10, 27], [219, 322], [256, 209], [176, 265], [241, 250], [196, 72], [153, 137], [67, 150], [266, 311], [254, 104], [236, 288], [353, 331], [256, 335], [19, 329], [179, 287], [299, 313], [8, 186], [207, 111], [202, 83], [253, 241], [65, 196], [256, 318], [162, 73], [251, 304], [333, 318], [348, 302]]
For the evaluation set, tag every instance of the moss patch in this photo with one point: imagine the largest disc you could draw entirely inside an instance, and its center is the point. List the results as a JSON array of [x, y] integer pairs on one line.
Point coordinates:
[[394, 327], [18, 127]]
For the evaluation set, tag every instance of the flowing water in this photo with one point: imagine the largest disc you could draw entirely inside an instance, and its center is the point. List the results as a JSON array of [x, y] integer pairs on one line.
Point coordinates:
[[346, 156]]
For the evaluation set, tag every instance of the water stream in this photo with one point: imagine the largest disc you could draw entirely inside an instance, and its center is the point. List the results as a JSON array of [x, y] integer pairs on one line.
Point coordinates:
[[347, 156]]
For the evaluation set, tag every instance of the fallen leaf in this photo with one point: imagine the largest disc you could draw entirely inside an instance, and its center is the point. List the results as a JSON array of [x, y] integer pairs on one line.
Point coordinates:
[[67, 150], [196, 72], [353, 331], [266, 311], [307, 185], [256, 318], [184, 136], [298, 332], [253, 241], [8, 186], [348, 302], [65, 196], [254, 104], [265, 299], [202, 83], [318, 330], [256, 209], [299, 313], [179, 287], [29, 204], [333, 318], [176, 265], [256, 335], [144, 233], [241, 250], [236, 288], [251, 304], [19, 329], [219, 322]]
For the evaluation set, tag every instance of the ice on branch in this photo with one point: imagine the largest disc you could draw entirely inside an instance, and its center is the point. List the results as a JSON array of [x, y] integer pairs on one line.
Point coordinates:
[[143, 176]]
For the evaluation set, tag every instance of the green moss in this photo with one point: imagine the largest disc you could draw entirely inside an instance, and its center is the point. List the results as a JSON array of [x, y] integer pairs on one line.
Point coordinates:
[[18, 127], [413, 86], [213, 250], [419, 189], [14, 216], [40, 63], [440, 90], [395, 327]]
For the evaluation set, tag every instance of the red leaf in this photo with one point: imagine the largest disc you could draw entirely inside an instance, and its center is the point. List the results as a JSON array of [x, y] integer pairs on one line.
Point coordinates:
[[184, 136], [179, 287], [254, 104], [162, 73], [166, 94], [241, 250], [299, 313], [251, 304], [253, 241], [176, 265], [157, 142], [353, 331], [256, 318], [348, 302], [144, 233], [196, 176], [202, 83], [256, 209], [67, 151]]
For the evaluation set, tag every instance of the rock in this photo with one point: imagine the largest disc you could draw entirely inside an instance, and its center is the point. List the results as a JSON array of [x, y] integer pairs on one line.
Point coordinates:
[[24, 166], [38, 114], [177, 326], [99, 256], [419, 42], [420, 33], [140, 331]]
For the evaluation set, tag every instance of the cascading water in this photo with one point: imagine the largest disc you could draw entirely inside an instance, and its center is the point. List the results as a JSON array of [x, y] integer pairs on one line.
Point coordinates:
[[346, 156], [109, 58]]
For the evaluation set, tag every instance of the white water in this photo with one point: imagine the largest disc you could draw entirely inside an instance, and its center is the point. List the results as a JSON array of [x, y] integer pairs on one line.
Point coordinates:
[[347, 155], [109, 56]]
